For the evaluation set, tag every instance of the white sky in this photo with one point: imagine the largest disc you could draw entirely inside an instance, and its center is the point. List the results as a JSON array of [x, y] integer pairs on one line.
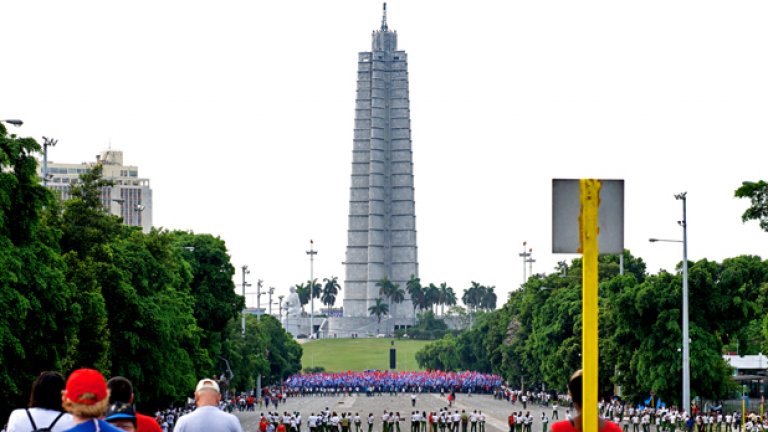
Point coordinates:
[[241, 115]]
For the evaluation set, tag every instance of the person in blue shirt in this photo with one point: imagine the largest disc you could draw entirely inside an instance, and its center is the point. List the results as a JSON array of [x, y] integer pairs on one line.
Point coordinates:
[[86, 397]]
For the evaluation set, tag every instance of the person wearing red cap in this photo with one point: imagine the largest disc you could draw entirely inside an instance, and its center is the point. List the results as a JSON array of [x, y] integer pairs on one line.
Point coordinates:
[[86, 397]]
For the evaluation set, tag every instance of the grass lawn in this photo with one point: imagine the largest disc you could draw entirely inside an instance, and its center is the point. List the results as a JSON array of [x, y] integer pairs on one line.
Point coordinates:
[[338, 355]]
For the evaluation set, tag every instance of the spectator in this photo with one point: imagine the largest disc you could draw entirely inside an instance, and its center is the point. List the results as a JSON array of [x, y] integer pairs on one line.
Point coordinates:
[[208, 417], [574, 424], [121, 415], [86, 397], [121, 390], [44, 409]]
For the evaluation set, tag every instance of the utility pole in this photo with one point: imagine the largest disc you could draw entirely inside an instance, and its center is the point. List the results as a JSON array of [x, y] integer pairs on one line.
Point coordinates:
[[311, 252], [245, 284], [280, 307], [525, 256]]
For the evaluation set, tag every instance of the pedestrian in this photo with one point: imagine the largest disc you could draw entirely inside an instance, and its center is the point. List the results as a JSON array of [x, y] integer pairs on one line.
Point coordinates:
[[544, 422], [121, 390], [413, 399], [86, 398], [575, 424], [208, 417], [371, 419], [121, 415], [44, 408]]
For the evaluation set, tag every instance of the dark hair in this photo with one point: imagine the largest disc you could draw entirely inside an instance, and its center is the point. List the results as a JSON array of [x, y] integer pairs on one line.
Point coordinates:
[[120, 390], [574, 387], [46, 391]]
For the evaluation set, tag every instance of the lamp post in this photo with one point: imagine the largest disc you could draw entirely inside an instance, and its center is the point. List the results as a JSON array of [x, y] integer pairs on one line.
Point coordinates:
[[525, 256], [311, 252], [280, 307], [686, 342], [245, 284], [47, 142], [530, 261], [271, 291]]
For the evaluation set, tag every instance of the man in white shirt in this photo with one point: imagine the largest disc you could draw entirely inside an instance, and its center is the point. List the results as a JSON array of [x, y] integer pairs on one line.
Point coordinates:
[[208, 417]]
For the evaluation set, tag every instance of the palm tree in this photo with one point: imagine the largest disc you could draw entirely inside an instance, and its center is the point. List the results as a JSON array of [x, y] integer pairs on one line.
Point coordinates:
[[488, 301], [397, 296], [303, 292], [330, 290], [446, 297], [472, 296], [379, 308], [413, 286], [450, 297], [315, 288], [432, 295]]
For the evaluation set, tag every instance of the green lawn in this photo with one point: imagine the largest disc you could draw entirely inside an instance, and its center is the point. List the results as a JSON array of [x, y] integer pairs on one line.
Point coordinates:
[[337, 355]]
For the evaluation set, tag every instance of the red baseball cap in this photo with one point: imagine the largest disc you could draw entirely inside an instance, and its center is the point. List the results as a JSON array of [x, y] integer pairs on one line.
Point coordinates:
[[84, 382]]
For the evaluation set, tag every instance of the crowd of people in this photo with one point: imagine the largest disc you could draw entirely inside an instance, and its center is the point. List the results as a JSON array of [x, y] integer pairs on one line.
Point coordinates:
[[86, 402], [372, 382]]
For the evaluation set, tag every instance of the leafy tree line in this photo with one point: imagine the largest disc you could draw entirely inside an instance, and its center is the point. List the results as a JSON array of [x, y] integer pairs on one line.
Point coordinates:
[[80, 289], [535, 338]]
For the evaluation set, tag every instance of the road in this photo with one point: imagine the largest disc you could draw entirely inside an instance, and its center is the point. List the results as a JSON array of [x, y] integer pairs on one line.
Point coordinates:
[[496, 411]]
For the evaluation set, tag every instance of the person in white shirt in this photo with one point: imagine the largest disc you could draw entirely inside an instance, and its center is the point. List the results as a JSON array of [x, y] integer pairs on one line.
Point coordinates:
[[481, 421], [371, 419], [44, 410]]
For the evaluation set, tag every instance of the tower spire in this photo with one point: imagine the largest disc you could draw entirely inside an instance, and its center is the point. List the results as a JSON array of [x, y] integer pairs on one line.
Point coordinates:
[[384, 19]]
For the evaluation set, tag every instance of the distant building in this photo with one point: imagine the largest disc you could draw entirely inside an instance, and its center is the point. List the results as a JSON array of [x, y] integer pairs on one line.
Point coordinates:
[[749, 371], [130, 197]]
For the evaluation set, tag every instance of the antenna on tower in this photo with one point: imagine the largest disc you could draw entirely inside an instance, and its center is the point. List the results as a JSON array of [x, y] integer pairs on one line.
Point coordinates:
[[384, 18]]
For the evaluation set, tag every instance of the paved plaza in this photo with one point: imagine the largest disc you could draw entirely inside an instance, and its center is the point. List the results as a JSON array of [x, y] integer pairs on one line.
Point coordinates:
[[496, 411]]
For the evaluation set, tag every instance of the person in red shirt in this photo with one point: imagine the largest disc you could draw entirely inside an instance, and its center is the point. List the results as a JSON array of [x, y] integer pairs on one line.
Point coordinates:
[[263, 424], [511, 422], [574, 425], [121, 390], [281, 427]]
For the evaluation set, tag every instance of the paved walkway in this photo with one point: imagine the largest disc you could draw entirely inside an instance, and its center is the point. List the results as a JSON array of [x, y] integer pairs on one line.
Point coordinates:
[[496, 411]]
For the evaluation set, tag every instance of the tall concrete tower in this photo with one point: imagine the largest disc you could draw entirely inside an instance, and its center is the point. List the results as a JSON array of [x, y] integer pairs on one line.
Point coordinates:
[[382, 217]]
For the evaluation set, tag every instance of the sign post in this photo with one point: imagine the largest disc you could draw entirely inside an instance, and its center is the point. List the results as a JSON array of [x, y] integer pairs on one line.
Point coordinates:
[[588, 218]]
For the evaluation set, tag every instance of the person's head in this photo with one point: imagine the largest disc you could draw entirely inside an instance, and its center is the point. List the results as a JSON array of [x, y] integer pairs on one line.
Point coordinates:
[[574, 389], [120, 390], [121, 415], [46, 391], [85, 395], [207, 393]]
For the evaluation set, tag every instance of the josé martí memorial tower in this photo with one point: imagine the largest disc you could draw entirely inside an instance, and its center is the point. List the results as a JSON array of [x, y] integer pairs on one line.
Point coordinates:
[[382, 219]]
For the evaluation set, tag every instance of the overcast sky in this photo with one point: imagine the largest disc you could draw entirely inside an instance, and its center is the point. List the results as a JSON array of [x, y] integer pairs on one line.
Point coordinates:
[[241, 115]]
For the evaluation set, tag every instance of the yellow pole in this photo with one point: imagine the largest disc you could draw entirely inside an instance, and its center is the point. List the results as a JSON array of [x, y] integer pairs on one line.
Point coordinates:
[[589, 229]]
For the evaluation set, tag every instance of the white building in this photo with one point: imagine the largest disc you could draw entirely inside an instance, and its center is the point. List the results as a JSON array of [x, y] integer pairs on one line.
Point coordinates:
[[129, 198]]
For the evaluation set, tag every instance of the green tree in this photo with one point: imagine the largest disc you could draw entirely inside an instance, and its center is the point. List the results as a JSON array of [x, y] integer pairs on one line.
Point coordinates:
[[378, 309], [757, 193], [330, 291], [302, 290], [39, 318], [416, 292]]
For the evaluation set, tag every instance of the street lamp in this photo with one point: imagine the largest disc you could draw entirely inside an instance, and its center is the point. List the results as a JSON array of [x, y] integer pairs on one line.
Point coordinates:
[[245, 284], [280, 307], [15, 122], [686, 348], [311, 252], [271, 291], [47, 142], [525, 256]]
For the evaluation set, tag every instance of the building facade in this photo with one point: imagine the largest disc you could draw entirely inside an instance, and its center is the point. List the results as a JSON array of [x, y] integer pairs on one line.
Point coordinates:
[[130, 197], [381, 238]]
